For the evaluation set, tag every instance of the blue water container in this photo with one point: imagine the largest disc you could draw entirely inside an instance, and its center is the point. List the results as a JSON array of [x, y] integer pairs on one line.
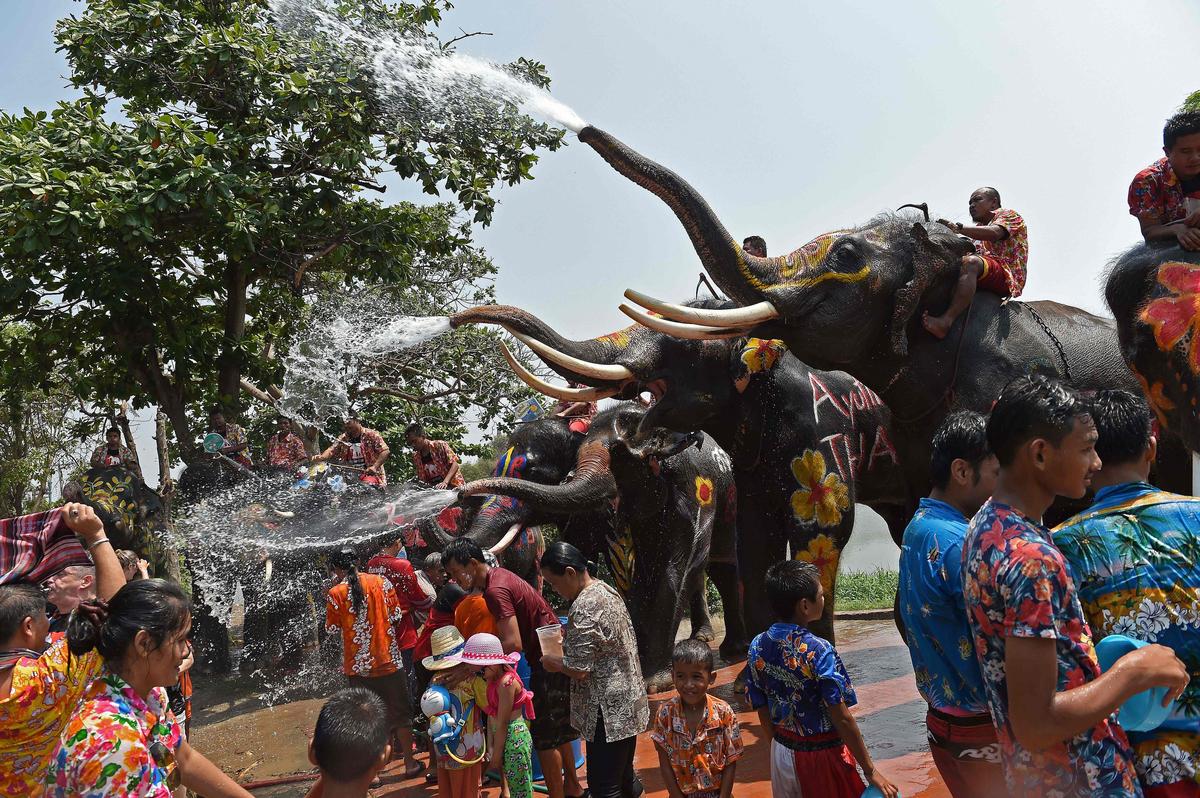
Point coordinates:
[[1141, 712]]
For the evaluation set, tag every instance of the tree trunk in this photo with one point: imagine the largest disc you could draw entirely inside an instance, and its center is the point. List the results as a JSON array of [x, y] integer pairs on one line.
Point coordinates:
[[168, 555], [229, 363]]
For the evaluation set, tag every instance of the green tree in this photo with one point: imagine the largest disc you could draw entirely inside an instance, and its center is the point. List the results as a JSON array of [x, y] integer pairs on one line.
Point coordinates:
[[164, 230]]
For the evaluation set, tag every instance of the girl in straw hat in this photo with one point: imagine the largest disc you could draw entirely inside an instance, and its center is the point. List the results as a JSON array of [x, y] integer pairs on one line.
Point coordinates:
[[459, 772], [510, 705]]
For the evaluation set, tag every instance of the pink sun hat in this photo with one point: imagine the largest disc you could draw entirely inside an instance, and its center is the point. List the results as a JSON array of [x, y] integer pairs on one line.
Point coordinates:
[[485, 649]]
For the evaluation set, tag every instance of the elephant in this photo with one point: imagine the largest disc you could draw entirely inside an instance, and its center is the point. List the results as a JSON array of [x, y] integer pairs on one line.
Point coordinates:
[[133, 513], [1152, 291], [805, 444], [674, 521], [853, 299]]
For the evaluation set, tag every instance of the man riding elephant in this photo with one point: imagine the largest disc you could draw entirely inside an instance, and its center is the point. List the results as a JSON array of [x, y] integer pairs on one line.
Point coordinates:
[[854, 299], [797, 480]]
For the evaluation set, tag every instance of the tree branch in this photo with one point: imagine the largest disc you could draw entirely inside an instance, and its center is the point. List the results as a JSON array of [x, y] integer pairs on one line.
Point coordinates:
[[309, 261], [446, 45], [257, 392]]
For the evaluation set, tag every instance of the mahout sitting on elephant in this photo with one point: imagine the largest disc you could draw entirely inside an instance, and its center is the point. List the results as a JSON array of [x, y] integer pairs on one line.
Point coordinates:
[[674, 521], [853, 299], [805, 444]]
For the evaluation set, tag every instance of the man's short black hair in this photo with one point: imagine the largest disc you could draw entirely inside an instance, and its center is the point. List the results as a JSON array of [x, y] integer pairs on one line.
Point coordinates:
[[755, 241], [789, 581], [1184, 123], [462, 551], [416, 430], [1032, 407], [990, 192], [1124, 424], [351, 735], [962, 436], [18, 601], [693, 652]]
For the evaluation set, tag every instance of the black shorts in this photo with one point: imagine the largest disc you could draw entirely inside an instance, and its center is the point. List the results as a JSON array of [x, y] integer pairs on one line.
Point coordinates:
[[551, 726], [393, 690]]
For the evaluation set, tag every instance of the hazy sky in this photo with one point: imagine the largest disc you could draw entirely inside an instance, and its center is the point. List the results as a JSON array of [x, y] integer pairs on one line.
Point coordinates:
[[794, 118]]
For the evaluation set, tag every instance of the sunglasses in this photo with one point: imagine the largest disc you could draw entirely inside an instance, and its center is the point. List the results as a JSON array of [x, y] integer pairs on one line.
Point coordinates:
[[164, 757]]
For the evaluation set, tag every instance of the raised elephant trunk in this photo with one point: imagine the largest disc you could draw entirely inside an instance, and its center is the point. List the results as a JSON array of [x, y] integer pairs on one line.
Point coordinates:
[[592, 484], [741, 275], [593, 360]]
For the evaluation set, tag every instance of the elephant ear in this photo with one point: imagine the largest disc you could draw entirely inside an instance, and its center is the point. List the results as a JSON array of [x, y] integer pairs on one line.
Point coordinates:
[[908, 298]]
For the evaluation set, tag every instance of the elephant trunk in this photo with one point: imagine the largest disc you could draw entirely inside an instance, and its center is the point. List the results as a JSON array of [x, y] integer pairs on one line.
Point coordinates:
[[592, 484], [741, 275]]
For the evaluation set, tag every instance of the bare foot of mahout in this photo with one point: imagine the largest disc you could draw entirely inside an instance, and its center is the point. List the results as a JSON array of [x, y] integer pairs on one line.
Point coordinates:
[[937, 326]]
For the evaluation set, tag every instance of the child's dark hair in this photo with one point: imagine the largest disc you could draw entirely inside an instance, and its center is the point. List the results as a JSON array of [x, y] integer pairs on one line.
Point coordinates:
[[1124, 425], [788, 582], [155, 605], [462, 551], [1028, 408], [961, 436], [560, 556], [351, 735], [693, 652], [18, 602], [347, 560], [448, 597]]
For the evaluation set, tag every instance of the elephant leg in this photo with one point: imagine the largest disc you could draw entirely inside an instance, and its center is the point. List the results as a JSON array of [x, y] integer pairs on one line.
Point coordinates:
[[701, 620], [761, 543], [725, 576]]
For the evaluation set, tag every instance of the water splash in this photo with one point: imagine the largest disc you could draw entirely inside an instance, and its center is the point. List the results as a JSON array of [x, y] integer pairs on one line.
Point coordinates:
[[418, 80]]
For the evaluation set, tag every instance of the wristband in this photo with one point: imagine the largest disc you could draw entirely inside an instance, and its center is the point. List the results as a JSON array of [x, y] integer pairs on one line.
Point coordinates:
[[96, 543]]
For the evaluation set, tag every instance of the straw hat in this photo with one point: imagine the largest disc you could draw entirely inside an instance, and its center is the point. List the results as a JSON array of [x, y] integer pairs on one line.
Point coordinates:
[[485, 649], [447, 644]]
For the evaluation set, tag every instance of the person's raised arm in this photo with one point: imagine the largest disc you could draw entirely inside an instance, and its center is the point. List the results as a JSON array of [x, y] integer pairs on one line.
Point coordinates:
[[97, 458], [83, 521], [848, 730], [1042, 716], [987, 232], [328, 453]]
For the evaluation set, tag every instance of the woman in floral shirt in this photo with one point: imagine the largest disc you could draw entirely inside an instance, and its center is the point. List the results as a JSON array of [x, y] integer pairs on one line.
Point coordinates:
[[608, 697], [122, 739]]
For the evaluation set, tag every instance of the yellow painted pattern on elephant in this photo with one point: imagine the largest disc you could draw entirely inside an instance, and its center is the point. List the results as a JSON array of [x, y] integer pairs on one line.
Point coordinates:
[[822, 553], [704, 491], [621, 557], [822, 495], [761, 354], [796, 263]]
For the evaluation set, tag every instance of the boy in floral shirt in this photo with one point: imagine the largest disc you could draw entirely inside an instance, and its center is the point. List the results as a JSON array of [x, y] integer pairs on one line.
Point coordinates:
[[803, 696], [697, 734], [1051, 706], [1165, 196], [1135, 557]]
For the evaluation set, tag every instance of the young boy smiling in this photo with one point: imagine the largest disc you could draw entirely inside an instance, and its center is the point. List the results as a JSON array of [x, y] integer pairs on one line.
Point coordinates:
[[696, 734]]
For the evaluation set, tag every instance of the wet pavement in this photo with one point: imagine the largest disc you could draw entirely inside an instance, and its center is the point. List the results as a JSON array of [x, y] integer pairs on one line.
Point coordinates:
[[264, 744]]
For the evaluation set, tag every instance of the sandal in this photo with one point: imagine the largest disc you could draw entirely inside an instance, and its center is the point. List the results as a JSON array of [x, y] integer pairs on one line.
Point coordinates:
[[412, 774]]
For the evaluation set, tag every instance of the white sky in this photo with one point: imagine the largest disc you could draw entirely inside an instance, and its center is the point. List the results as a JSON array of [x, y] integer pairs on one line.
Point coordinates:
[[794, 118]]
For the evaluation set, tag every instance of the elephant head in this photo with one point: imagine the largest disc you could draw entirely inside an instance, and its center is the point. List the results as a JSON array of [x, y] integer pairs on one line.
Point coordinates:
[[130, 510], [1153, 293]]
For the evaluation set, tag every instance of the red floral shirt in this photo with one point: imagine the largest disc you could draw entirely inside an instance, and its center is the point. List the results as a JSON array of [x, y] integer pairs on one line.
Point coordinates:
[[363, 452], [1156, 191], [432, 468], [1012, 254], [286, 450], [403, 579]]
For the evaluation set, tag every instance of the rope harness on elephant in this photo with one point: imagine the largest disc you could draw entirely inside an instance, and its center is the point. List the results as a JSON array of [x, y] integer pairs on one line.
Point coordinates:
[[1053, 339]]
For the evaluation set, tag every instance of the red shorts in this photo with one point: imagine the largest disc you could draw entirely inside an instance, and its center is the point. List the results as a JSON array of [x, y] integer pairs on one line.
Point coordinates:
[[995, 277], [967, 754], [580, 425]]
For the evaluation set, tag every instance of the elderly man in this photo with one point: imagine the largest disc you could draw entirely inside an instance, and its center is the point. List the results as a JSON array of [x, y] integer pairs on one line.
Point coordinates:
[[361, 448], [66, 590]]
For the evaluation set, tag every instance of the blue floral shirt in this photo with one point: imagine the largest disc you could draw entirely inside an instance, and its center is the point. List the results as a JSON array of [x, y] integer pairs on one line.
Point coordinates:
[[934, 615], [1135, 557], [797, 674], [1016, 584]]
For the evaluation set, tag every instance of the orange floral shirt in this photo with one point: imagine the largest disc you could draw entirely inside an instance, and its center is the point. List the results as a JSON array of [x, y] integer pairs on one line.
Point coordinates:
[[44, 692], [369, 640], [698, 758], [1012, 254]]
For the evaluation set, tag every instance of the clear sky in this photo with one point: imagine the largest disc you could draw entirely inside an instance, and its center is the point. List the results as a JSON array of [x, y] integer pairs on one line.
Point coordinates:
[[794, 118]]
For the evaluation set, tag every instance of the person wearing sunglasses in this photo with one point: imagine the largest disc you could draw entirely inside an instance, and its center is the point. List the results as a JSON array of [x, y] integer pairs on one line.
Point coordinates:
[[122, 738]]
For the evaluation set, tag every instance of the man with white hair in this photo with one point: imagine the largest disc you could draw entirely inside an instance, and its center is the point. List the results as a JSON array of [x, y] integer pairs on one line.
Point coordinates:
[[66, 590]]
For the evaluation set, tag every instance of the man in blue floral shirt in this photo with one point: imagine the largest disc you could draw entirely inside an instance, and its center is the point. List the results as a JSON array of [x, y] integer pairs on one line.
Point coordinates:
[[1135, 557], [1051, 707], [961, 736]]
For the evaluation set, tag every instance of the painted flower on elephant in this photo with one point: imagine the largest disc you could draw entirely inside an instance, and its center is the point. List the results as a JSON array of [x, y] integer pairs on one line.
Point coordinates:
[[1173, 317], [822, 553], [704, 491], [822, 496], [761, 354]]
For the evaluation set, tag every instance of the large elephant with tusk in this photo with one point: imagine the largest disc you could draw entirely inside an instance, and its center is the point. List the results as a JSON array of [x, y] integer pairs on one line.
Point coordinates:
[[853, 299], [805, 444]]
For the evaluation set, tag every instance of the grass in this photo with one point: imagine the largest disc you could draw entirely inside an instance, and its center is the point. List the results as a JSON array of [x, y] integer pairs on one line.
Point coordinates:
[[858, 590]]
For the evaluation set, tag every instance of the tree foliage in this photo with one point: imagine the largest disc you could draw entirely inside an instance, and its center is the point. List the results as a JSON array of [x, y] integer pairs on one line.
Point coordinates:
[[164, 230]]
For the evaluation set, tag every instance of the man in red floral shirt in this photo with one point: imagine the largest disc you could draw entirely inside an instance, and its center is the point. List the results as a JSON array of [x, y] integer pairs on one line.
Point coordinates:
[[361, 448], [1165, 196], [998, 264], [285, 450], [1051, 707], [434, 461]]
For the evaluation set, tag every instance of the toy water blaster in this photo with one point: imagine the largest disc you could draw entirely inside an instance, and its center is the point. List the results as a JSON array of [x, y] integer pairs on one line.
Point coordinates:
[[446, 720], [214, 442]]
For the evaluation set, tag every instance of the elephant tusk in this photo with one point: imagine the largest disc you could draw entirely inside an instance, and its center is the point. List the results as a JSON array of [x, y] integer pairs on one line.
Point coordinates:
[[505, 541], [566, 394], [599, 371], [747, 316], [677, 329]]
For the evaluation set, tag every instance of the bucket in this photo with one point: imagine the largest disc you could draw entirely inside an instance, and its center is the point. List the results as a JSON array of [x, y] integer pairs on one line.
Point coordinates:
[[576, 749], [1144, 711], [550, 638], [874, 792]]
